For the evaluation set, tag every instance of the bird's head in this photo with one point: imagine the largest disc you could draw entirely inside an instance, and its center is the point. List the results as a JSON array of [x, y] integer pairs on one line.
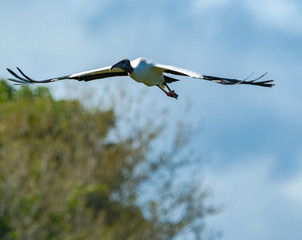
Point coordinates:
[[124, 64]]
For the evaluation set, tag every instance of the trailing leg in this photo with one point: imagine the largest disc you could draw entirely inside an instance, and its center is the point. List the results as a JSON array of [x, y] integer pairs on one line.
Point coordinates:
[[170, 93]]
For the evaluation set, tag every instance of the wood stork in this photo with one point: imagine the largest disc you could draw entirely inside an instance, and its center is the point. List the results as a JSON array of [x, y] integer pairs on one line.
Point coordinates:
[[144, 71]]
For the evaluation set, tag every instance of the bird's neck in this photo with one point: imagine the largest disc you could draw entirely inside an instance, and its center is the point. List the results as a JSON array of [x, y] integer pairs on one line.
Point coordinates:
[[130, 69]]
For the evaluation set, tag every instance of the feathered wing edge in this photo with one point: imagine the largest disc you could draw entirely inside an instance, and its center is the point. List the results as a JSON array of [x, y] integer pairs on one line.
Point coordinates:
[[231, 81], [84, 76], [220, 80], [27, 80]]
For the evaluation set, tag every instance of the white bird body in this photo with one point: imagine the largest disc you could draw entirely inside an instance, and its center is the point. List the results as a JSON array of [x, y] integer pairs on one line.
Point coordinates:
[[144, 71]]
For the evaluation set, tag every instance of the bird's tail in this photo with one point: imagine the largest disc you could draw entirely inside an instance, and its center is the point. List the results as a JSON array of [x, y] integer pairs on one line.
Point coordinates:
[[231, 81], [169, 79]]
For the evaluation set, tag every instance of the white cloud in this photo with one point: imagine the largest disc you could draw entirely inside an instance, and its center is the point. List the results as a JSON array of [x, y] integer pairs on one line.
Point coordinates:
[[256, 205], [292, 188], [284, 15]]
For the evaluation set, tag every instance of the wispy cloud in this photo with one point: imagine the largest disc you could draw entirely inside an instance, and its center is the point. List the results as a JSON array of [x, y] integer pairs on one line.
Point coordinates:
[[284, 15], [292, 189], [256, 205]]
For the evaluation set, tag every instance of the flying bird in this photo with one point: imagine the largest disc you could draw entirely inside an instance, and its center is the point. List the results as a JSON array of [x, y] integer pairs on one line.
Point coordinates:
[[144, 71]]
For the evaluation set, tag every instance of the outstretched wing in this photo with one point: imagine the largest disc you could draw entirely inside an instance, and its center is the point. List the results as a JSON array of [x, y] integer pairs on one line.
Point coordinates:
[[220, 80], [82, 76]]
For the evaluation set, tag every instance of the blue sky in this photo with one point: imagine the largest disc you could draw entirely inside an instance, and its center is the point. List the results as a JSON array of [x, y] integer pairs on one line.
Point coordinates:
[[251, 136]]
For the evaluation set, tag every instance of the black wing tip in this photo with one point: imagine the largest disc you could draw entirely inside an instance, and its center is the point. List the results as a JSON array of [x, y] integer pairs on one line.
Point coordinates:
[[10, 71], [266, 83], [19, 80], [263, 84], [230, 81], [25, 80]]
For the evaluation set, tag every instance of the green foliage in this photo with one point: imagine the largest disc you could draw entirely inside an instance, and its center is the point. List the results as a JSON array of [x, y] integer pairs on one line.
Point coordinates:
[[60, 177]]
